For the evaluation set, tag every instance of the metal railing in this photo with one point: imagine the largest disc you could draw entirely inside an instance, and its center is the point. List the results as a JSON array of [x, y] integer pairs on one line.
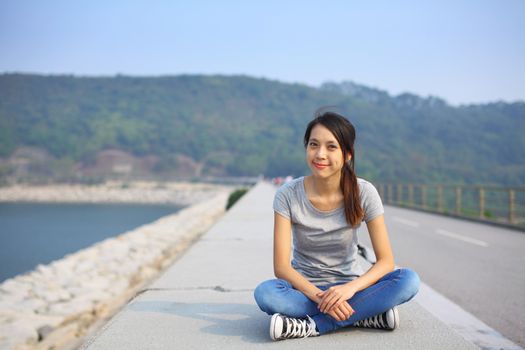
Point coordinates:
[[502, 205]]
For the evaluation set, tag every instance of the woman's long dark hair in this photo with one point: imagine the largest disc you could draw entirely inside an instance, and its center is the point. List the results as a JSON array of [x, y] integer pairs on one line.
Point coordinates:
[[344, 132]]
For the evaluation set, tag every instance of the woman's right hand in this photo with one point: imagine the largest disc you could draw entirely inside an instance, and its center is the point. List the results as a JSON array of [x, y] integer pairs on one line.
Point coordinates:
[[341, 312]]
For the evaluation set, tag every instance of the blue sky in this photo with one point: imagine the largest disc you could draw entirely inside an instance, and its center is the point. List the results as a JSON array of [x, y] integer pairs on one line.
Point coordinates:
[[462, 51]]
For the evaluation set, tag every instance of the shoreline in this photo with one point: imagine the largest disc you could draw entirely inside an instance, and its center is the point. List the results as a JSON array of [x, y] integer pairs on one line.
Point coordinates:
[[139, 192], [58, 304]]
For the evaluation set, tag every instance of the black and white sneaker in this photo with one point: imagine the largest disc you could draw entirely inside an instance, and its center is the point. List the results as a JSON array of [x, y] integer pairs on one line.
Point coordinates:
[[388, 320], [284, 327]]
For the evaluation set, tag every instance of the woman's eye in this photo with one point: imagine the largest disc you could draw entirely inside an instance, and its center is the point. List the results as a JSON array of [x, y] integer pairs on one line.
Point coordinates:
[[312, 144]]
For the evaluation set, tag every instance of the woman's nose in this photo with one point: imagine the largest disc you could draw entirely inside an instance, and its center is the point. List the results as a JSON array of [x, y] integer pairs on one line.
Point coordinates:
[[320, 153]]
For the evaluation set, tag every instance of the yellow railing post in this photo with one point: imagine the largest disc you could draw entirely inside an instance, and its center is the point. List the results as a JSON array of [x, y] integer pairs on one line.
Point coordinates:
[[440, 198], [512, 199], [424, 196], [458, 200], [481, 203], [380, 190], [411, 195]]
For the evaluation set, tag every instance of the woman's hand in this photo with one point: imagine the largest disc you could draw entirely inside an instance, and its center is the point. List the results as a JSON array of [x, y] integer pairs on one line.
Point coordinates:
[[336, 296], [341, 312]]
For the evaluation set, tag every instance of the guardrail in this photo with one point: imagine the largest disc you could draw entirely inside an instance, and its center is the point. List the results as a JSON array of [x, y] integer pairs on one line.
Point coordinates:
[[502, 205]]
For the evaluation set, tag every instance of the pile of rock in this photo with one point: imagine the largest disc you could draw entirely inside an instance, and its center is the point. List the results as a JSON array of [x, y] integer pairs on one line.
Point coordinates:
[[181, 193], [55, 305]]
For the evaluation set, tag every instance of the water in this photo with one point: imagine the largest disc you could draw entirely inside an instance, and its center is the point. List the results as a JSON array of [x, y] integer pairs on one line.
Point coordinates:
[[37, 233]]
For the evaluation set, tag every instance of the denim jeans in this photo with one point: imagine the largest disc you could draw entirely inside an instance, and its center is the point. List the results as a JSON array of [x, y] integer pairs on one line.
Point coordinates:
[[395, 288]]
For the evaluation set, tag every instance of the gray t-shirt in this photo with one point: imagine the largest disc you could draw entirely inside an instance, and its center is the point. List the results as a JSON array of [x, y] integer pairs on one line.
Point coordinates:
[[324, 245]]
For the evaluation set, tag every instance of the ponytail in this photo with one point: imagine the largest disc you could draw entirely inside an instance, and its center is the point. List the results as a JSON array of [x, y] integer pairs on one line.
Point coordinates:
[[354, 213]]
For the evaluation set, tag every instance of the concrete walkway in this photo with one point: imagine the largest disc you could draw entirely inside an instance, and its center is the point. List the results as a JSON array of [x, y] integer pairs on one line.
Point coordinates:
[[206, 300]]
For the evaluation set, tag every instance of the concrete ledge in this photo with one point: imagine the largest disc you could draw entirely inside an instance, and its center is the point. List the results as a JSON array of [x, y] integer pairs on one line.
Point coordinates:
[[206, 300]]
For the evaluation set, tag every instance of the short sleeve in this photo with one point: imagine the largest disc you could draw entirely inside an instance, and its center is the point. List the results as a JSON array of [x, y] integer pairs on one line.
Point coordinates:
[[372, 204], [281, 202]]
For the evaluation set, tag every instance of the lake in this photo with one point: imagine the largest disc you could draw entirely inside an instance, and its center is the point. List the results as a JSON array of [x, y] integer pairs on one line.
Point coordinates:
[[38, 233]]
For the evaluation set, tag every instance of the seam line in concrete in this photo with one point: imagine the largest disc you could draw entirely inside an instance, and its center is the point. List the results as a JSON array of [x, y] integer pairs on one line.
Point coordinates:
[[214, 288]]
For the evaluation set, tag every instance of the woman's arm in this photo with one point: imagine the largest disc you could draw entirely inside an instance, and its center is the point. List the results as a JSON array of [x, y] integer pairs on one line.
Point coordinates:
[[384, 264], [383, 252], [282, 244]]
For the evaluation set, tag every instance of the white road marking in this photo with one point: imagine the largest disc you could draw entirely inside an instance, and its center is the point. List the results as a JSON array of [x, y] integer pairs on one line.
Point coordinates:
[[405, 221], [462, 238], [463, 322]]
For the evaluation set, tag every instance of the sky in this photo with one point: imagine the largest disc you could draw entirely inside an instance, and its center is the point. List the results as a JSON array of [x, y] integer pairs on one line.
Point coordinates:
[[462, 51]]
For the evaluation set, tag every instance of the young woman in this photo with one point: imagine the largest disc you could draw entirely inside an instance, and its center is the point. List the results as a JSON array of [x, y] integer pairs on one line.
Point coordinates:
[[323, 288]]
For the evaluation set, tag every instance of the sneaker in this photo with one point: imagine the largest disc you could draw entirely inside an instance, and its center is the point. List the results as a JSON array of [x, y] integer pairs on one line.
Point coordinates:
[[284, 327], [387, 320]]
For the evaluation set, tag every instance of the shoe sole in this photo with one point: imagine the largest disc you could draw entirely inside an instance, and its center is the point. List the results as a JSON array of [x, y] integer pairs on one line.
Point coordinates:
[[396, 318], [272, 326]]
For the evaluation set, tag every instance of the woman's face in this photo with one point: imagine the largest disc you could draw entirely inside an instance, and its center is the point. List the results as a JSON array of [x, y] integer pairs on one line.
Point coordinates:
[[323, 153]]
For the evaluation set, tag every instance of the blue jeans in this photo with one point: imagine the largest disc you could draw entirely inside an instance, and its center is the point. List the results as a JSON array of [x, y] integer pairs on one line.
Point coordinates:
[[397, 287]]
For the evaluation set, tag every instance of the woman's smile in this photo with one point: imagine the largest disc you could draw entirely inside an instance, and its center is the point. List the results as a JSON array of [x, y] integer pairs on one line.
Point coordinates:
[[320, 165]]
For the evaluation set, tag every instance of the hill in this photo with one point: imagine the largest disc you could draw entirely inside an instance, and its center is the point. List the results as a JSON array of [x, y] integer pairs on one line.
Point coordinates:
[[83, 128]]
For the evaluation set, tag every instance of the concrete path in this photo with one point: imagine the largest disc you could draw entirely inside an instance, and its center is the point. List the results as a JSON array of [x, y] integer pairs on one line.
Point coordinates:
[[205, 300]]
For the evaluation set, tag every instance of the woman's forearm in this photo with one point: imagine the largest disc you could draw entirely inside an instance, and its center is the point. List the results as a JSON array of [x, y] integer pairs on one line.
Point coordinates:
[[298, 281], [375, 273]]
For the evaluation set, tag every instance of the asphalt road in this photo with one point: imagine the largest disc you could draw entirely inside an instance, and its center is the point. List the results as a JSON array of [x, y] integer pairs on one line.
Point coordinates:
[[479, 267]]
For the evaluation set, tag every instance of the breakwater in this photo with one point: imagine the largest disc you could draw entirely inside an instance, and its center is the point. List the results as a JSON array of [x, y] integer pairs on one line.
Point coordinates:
[[181, 193], [57, 304]]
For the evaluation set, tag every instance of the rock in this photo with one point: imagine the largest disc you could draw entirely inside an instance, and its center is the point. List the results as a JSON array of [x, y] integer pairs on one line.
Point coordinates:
[[118, 286], [17, 333], [51, 294], [70, 308], [32, 304], [59, 338], [84, 266], [98, 283], [31, 319], [7, 308], [93, 297], [44, 331], [149, 272], [13, 287], [12, 298], [46, 271]]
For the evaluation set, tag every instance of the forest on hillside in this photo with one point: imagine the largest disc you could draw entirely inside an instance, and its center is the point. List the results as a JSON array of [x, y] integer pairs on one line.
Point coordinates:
[[68, 128]]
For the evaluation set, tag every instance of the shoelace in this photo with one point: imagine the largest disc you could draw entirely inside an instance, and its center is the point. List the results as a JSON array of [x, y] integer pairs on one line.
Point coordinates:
[[298, 328], [372, 322]]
